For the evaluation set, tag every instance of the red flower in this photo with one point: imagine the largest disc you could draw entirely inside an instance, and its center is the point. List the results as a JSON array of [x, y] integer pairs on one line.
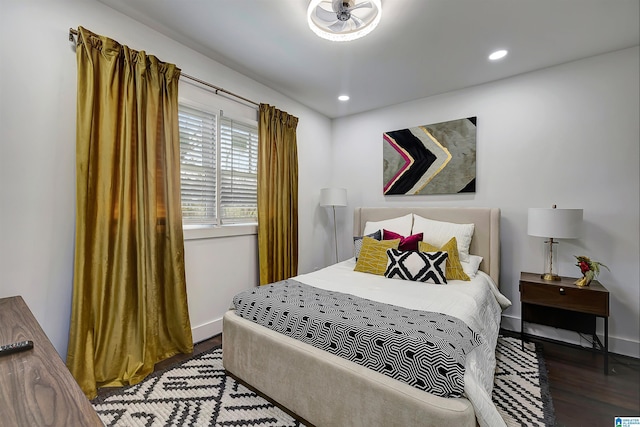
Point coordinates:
[[584, 267]]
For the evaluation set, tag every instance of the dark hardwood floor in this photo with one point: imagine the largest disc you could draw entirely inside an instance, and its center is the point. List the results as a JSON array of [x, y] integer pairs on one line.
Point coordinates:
[[582, 395]]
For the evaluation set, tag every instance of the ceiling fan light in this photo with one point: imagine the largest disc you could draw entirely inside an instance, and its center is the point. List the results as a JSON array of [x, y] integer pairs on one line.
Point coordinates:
[[347, 35]]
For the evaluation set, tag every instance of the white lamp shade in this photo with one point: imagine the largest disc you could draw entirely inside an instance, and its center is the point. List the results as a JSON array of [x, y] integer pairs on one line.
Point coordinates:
[[333, 197], [555, 223]]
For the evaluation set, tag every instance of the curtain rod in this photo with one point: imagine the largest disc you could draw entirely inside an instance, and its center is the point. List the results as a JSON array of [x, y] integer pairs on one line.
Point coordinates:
[[73, 32]]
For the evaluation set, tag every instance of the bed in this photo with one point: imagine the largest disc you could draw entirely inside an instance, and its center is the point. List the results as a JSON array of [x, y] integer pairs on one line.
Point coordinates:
[[327, 390]]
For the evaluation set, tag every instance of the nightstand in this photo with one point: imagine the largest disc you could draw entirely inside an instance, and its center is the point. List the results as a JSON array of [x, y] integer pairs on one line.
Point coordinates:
[[564, 305]]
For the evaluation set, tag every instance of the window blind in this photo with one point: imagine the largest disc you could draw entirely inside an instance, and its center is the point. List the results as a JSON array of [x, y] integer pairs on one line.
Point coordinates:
[[198, 130], [238, 172]]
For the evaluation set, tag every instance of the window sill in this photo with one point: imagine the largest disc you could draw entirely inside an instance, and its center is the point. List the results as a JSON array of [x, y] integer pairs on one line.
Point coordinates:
[[213, 232]]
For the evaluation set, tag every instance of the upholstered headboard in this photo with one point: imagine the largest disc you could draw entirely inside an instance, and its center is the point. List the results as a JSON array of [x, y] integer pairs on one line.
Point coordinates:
[[486, 237]]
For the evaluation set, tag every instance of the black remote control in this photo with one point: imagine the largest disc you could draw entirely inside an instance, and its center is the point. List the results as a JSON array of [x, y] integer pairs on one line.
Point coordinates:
[[15, 347]]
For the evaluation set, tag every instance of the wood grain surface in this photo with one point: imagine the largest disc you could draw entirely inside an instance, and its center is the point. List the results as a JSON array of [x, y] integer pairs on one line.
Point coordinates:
[[36, 388], [564, 294]]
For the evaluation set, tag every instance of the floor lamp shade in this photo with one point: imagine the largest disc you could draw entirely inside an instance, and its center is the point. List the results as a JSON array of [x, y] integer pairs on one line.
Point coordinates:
[[333, 197], [554, 223]]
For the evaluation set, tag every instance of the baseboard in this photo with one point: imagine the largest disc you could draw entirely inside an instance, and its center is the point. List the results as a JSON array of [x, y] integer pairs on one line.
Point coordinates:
[[616, 345], [206, 330]]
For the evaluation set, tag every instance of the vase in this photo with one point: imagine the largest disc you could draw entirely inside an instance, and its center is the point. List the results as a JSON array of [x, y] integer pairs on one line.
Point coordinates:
[[586, 279]]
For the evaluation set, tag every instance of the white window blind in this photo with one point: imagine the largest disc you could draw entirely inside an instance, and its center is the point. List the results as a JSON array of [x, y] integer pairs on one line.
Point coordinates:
[[238, 172], [198, 130], [218, 168]]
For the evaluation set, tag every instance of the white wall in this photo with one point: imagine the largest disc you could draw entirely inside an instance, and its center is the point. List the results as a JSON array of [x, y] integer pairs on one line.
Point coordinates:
[[37, 164], [566, 135]]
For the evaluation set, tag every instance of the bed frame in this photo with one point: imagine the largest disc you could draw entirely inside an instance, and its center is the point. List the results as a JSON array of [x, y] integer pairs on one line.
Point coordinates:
[[326, 390]]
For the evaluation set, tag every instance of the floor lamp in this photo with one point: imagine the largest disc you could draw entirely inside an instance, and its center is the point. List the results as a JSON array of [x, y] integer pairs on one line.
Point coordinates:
[[334, 197]]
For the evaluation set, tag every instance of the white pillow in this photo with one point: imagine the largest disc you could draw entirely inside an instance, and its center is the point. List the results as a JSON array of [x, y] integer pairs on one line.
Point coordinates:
[[400, 225], [471, 268], [437, 233]]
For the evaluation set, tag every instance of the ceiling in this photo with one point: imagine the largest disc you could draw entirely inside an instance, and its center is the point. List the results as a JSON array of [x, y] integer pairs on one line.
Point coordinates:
[[420, 48]]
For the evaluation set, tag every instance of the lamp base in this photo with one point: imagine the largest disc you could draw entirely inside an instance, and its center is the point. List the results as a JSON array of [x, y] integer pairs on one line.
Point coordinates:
[[550, 277]]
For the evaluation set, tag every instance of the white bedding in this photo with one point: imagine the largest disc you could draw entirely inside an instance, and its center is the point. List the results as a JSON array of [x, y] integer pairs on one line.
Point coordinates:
[[478, 303]]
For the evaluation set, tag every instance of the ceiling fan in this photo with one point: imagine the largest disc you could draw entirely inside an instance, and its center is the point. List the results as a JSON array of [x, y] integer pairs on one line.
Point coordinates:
[[343, 20]]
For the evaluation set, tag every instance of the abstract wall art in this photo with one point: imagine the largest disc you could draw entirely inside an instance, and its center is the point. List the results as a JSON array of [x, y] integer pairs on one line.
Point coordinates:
[[432, 159]]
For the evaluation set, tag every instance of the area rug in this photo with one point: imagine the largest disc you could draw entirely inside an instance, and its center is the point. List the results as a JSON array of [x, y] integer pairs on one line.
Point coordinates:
[[197, 392], [521, 386]]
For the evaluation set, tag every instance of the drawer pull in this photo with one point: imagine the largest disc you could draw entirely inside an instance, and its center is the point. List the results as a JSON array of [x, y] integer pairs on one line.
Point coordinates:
[[562, 291]]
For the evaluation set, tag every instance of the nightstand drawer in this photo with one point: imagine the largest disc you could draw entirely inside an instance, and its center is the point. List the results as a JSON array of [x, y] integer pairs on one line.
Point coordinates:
[[566, 297]]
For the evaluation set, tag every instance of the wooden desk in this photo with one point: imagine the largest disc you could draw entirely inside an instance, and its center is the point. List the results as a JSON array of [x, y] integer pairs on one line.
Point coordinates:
[[562, 304], [36, 388]]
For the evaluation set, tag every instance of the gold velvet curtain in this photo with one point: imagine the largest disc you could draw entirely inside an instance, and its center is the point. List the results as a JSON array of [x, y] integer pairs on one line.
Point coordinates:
[[277, 195], [129, 307]]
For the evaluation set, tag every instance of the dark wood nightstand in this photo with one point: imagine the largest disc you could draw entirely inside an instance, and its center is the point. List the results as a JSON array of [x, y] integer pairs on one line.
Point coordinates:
[[564, 305]]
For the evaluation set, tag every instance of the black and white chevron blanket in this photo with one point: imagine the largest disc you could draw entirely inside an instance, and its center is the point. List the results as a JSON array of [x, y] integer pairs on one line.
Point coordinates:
[[423, 349]]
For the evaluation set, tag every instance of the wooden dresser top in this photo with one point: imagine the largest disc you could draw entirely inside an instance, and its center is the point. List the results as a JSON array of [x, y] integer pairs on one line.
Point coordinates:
[[36, 388]]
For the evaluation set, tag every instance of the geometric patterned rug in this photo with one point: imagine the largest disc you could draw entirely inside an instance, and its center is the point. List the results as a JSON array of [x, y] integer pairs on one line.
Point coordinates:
[[521, 386], [197, 392]]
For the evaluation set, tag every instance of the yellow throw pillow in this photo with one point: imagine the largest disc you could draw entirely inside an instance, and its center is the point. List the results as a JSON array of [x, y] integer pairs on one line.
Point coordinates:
[[373, 255], [454, 269]]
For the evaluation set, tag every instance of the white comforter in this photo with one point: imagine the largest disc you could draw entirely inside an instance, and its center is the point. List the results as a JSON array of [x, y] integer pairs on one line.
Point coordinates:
[[478, 303]]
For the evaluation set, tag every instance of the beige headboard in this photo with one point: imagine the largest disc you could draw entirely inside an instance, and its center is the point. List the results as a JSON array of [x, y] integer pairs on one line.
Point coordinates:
[[486, 237]]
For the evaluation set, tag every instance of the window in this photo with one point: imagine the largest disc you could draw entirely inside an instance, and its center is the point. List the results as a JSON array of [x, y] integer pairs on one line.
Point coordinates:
[[238, 172], [218, 168], [198, 131]]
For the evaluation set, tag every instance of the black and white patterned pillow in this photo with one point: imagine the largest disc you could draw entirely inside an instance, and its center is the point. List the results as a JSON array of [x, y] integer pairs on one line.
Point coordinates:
[[357, 241], [417, 266]]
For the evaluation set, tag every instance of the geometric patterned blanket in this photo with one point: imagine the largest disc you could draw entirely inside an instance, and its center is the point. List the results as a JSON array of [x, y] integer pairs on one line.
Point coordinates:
[[423, 349]]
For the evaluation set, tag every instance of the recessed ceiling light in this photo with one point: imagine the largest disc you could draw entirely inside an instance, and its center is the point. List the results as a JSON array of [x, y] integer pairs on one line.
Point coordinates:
[[498, 54], [343, 97]]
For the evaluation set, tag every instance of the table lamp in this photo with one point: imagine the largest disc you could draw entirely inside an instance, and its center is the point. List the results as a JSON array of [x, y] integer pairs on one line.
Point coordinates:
[[334, 197], [554, 223]]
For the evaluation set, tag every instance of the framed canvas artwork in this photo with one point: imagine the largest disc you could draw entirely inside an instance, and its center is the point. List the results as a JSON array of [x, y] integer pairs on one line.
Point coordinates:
[[432, 159]]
